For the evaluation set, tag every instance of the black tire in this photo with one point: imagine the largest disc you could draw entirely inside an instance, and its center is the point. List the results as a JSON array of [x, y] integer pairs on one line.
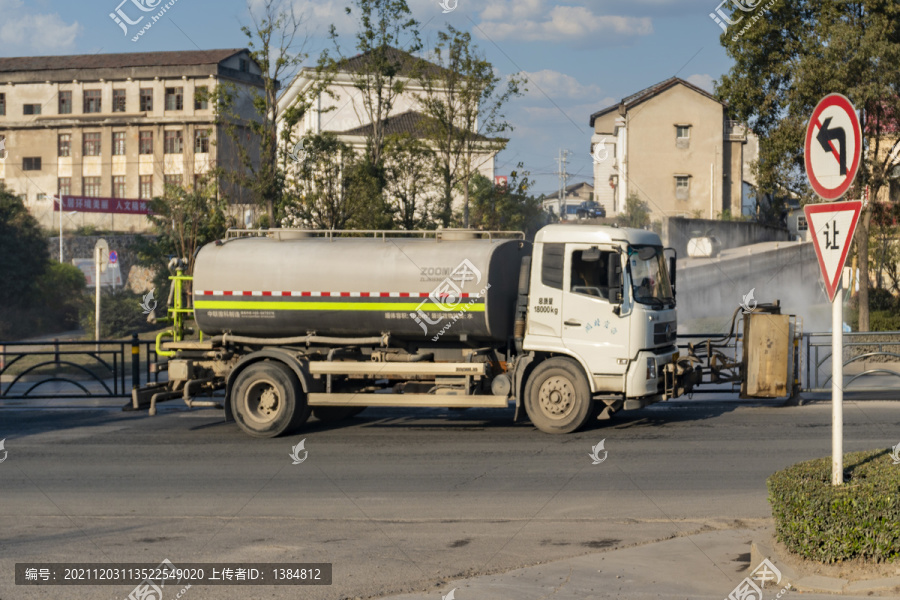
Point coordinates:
[[333, 414], [557, 396], [267, 400]]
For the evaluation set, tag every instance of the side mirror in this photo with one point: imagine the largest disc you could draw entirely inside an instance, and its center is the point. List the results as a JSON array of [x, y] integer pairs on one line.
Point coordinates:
[[614, 277], [672, 263]]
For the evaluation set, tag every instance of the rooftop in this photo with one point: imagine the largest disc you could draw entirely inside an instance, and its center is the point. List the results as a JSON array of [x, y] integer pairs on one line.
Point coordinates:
[[645, 94], [116, 61]]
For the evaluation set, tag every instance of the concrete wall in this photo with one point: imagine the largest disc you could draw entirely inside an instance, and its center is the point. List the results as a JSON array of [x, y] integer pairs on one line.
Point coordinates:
[[138, 278], [707, 289], [677, 231]]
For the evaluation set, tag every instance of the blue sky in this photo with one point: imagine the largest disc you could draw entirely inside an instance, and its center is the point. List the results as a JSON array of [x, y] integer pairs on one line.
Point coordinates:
[[579, 55]]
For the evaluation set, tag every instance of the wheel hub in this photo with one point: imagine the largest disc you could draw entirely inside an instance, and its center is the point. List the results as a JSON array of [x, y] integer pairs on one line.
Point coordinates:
[[557, 397], [262, 402]]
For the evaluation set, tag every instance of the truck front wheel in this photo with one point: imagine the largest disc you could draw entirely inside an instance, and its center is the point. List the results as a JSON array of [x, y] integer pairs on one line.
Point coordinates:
[[557, 396], [267, 400]]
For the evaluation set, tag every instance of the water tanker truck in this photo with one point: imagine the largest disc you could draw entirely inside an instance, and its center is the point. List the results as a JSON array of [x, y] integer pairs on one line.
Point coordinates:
[[578, 324]]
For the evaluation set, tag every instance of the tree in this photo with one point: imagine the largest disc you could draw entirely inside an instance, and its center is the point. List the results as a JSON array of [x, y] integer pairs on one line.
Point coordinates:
[[184, 220], [409, 182], [379, 70], [636, 213], [508, 207], [273, 44], [24, 252], [792, 56], [317, 196], [463, 99]]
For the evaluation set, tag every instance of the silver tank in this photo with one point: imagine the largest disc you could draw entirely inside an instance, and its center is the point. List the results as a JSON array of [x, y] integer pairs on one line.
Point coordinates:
[[416, 289]]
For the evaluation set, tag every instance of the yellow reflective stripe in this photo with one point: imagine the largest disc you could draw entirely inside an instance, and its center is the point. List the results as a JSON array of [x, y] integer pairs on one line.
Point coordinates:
[[372, 306]]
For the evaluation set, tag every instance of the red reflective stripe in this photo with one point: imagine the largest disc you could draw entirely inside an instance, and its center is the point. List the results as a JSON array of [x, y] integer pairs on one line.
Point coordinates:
[[245, 293], [325, 293], [404, 294], [227, 293], [306, 293], [364, 294], [207, 293], [285, 293], [345, 294], [267, 293]]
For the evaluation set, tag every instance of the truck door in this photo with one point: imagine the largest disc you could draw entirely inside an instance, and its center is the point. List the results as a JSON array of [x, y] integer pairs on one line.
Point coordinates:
[[545, 295], [591, 327]]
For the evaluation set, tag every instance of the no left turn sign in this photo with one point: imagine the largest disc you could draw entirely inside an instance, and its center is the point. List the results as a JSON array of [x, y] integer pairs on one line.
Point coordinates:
[[833, 146]]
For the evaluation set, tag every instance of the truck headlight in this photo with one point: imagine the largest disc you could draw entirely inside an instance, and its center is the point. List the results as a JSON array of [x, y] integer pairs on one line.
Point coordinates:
[[651, 368]]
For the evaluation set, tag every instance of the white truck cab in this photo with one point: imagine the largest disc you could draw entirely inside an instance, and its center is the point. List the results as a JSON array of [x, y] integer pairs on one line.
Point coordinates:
[[603, 297]]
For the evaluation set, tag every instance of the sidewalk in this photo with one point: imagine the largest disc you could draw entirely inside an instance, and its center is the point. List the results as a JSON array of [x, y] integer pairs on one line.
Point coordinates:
[[703, 566]]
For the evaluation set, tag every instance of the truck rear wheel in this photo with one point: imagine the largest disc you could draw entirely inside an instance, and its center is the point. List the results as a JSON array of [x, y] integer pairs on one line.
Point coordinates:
[[267, 400], [557, 396]]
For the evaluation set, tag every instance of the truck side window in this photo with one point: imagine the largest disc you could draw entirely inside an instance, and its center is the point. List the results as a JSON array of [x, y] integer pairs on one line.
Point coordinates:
[[552, 265], [589, 277]]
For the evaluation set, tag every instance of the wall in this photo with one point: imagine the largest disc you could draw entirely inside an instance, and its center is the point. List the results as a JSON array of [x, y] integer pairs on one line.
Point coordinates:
[[138, 278], [677, 231], [654, 158]]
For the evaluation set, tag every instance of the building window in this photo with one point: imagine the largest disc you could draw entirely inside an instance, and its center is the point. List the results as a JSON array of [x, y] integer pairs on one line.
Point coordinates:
[[64, 144], [64, 186], [146, 99], [42, 197], [2, 104], [92, 144], [801, 224], [5, 152], [118, 143], [92, 101], [118, 186], [173, 141], [174, 98], [65, 103], [118, 100], [146, 142], [31, 109], [244, 65], [683, 131], [201, 141], [146, 187], [682, 187], [92, 186], [174, 180], [32, 163], [201, 98]]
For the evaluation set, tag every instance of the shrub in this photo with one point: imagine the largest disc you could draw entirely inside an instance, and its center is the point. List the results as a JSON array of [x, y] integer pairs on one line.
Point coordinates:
[[120, 315], [860, 519]]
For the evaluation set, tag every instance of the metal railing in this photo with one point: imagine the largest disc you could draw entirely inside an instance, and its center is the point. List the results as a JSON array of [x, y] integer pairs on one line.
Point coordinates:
[[384, 234], [858, 347], [98, 369]]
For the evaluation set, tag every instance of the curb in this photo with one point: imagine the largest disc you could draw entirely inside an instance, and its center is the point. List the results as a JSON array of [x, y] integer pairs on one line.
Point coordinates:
[[819, 583]]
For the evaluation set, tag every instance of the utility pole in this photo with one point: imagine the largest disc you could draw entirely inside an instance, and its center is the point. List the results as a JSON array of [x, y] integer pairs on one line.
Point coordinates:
[[563, 179]]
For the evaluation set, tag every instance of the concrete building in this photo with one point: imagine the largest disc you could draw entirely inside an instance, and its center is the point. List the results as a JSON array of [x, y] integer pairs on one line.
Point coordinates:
[[673, 146], [341, 109], [114, 126]]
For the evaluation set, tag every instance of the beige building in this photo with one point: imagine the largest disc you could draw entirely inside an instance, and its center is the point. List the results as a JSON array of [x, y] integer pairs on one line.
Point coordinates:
[[673, 146], [574, 195], [114, 126]]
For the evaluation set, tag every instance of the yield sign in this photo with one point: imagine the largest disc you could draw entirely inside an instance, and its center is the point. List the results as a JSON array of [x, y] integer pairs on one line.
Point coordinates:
[[832, 226], [833, 146]]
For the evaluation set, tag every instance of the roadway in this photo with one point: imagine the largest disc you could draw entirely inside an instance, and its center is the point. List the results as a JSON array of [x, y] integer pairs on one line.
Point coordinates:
[[398, 501]]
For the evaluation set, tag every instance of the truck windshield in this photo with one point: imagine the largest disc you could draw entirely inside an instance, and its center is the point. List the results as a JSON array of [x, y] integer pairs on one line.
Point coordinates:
[[649, 276]]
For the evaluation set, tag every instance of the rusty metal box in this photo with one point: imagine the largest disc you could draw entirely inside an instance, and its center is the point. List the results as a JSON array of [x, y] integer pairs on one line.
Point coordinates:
[[768, 355]]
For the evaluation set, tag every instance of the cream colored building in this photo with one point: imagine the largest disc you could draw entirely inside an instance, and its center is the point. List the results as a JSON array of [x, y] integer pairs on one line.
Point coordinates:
[[114, 126], [673, 146]]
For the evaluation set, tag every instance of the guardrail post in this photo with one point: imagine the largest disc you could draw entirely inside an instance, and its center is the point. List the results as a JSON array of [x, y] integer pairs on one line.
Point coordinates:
[[56, 351], [135, 362]]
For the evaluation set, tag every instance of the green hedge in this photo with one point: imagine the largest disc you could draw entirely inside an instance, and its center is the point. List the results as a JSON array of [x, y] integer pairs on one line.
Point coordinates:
[[860, 519]]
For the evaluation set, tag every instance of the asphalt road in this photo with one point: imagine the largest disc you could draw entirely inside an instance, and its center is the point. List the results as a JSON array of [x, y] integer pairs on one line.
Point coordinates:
[[398, 501]]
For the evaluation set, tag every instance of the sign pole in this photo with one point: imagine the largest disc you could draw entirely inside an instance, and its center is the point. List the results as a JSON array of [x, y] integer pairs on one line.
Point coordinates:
[[837, 391], [97, 295], [60, 228]]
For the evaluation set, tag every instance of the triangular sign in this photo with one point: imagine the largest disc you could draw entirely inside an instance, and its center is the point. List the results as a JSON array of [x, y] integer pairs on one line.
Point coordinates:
[[832, 226]]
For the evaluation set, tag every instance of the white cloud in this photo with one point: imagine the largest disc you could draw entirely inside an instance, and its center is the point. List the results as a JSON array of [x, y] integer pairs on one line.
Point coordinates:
[[560, 23], [558, 85], [702, 81], [22, 33]]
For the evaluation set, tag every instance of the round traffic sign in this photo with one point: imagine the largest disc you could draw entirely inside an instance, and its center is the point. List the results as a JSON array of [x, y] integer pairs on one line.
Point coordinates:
[[833, 147], [113, 257]]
